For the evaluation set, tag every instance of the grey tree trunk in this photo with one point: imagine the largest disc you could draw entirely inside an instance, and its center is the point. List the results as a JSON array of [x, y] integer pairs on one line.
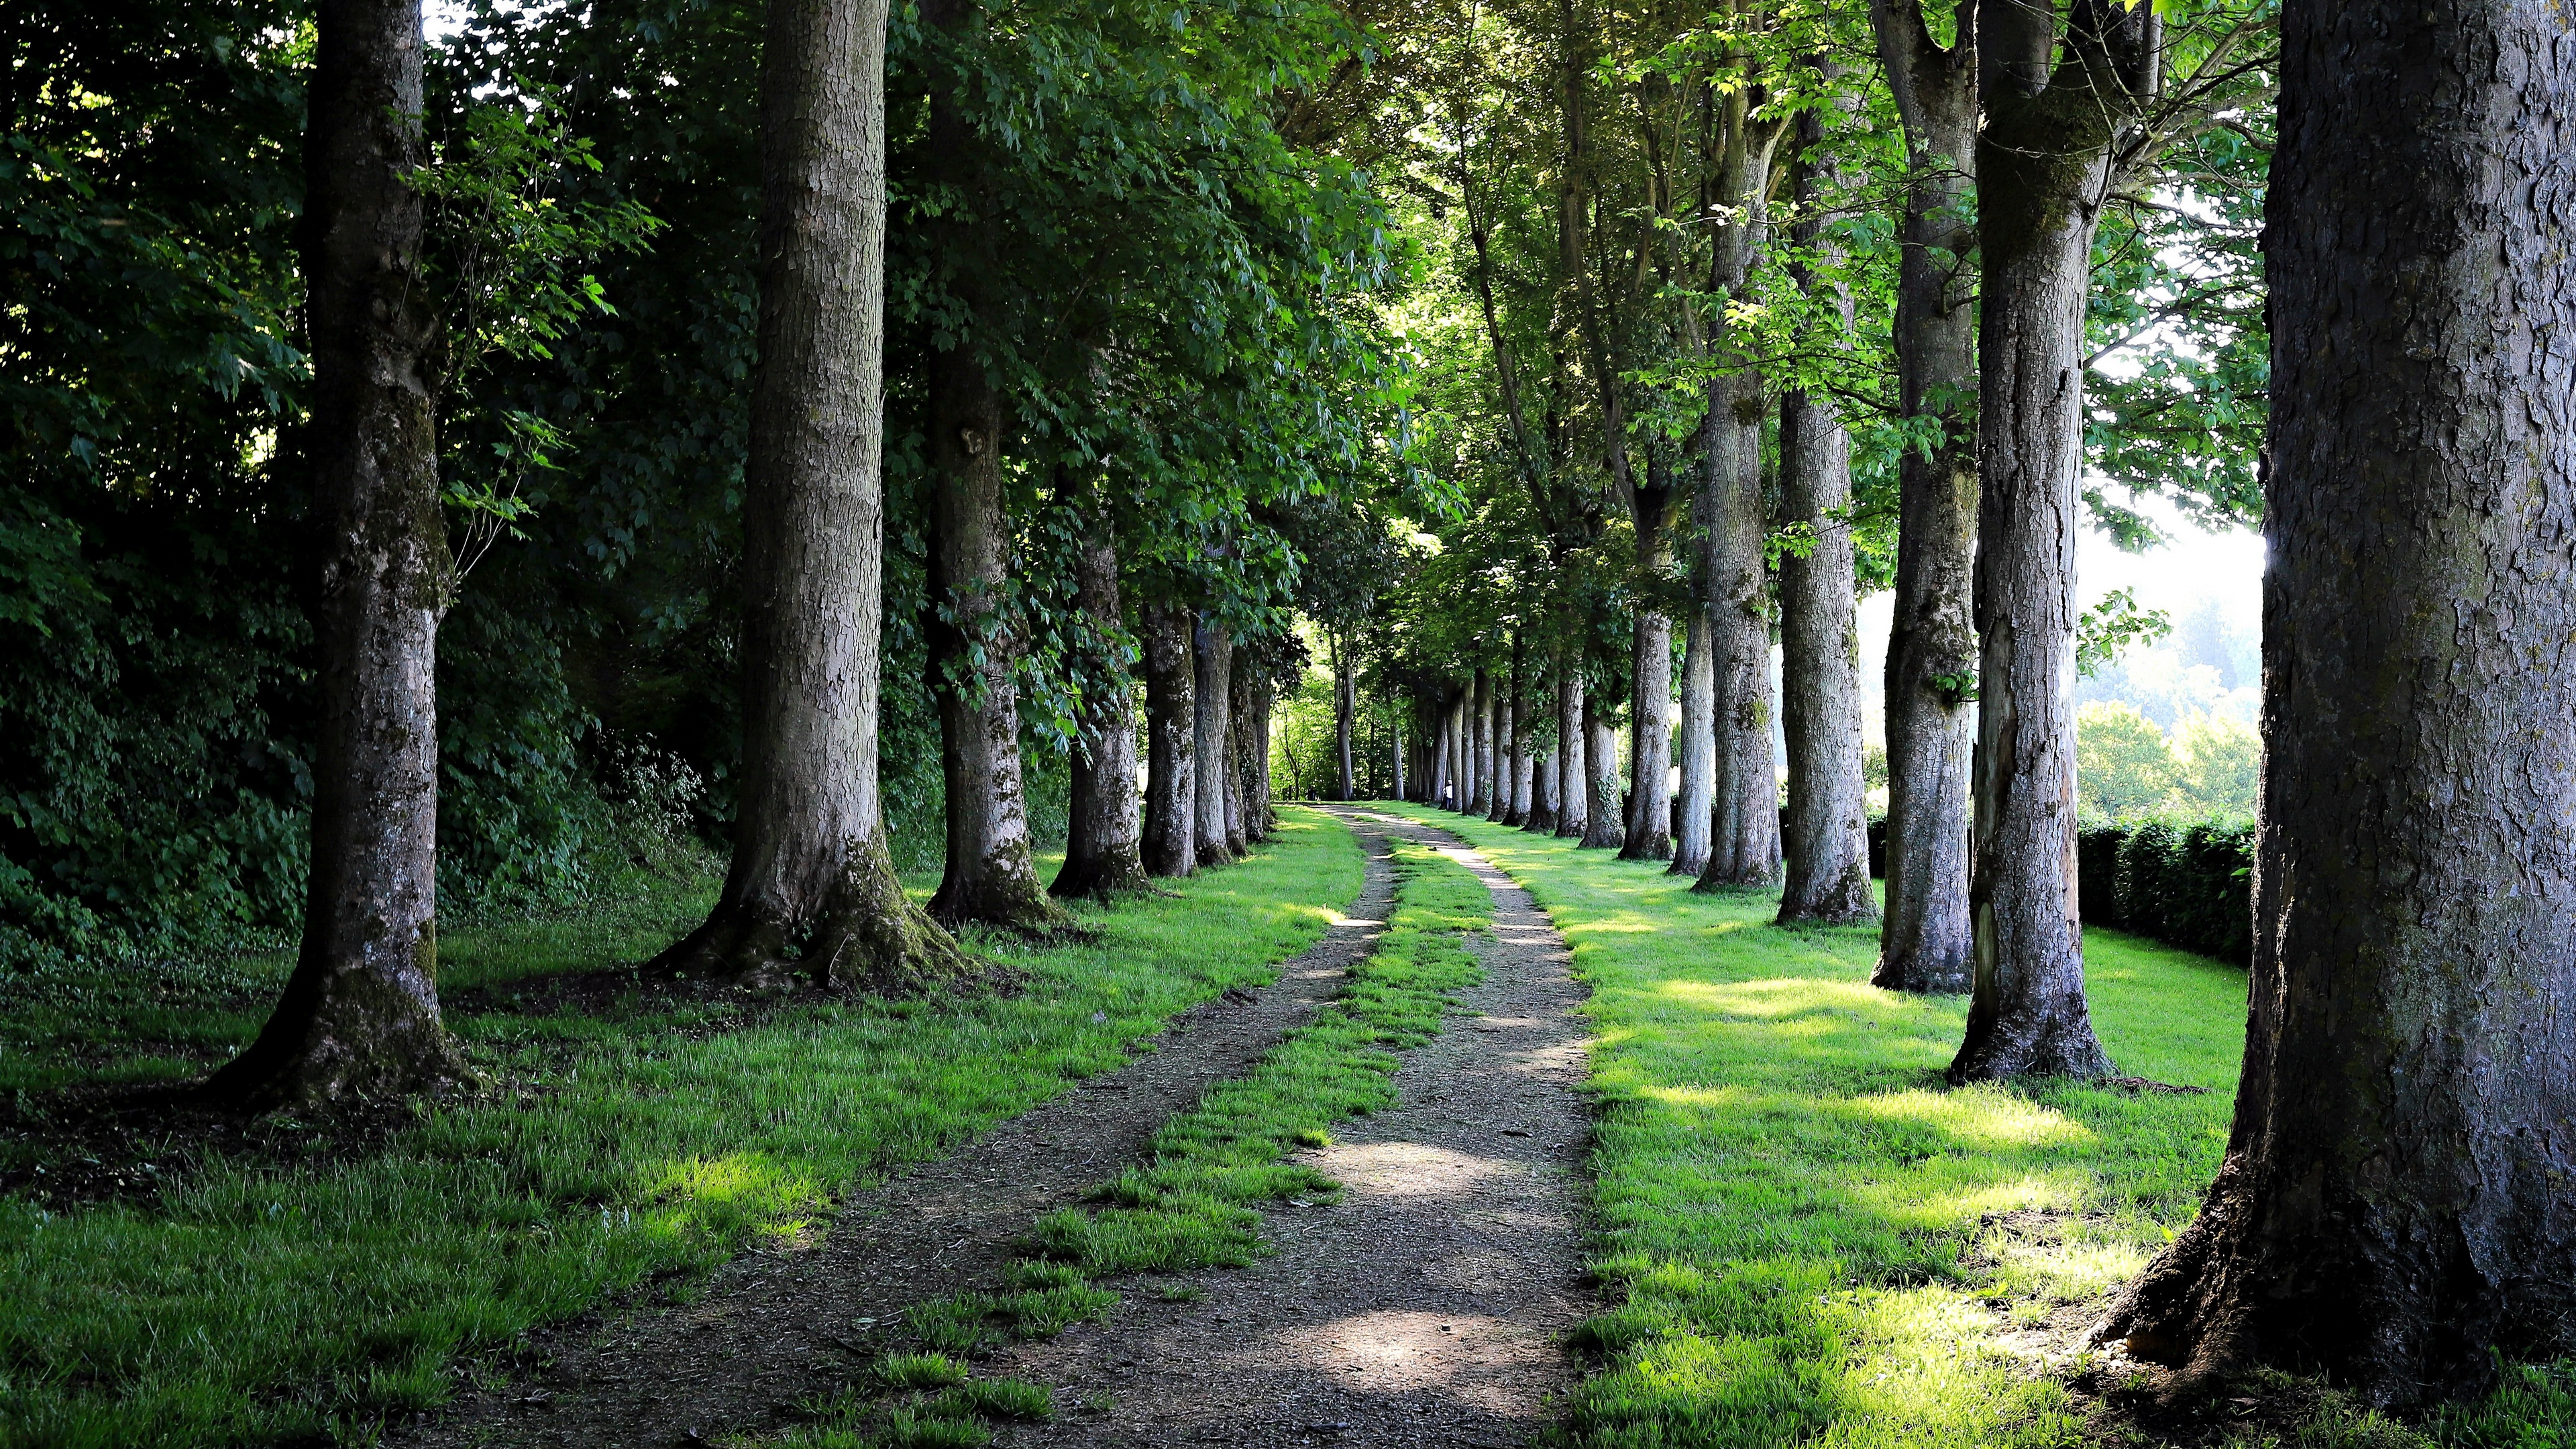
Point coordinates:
[[1436, 778], [1171, 741], [1744, 826], [812, 888], [359, 1015], [1214, 652], [2043, 163], [1698, 747], [1503, 761], [2394, 1201], [1516, 806], [1241, 829], [1480, 745], [1603, 828], [991, 878], [1103, 855], [1259, 816], [1932, 648], [1649, 823], [1345, 705], [1826, 840], [1573, 793], [1399, 762]]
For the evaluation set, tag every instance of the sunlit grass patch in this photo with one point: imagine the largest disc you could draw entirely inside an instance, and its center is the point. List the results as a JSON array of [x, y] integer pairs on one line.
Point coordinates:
[[1808, 1236], [253, 1303]]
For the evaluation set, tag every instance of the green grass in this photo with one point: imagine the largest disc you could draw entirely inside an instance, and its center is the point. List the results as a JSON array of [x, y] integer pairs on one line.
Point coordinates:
[[250, 1304], [1191, 1204], [1810, 1239]]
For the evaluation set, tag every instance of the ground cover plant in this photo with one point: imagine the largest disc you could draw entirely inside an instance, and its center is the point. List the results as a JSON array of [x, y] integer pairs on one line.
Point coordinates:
[[1192, 1203], [249, 1302], [1810, 1238]]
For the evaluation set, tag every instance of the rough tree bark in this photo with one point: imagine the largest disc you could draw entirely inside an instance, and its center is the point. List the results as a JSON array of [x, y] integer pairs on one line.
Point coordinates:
[[1826, 841], [1698, 747], [1573, 793], [2043, 163], [811, 888], [1345, 705], [359, 1016], [1213, 649], [1932, 649], [1242, 828], [1650, 677], [1259, 817], [1102, 854], [1171, 741], [1516, 805], [1480, 745], [1603, 824], [2394, 1200], [1399, 761], [991, 876], [1744, 830]]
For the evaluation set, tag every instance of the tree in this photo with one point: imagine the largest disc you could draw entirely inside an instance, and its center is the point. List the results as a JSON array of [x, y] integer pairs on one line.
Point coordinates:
[[2044, 168], [1827, 827], [1171, 734], [811, 888], [2392, 1205], [1102, 855], [360, 1015], [1932, 648]]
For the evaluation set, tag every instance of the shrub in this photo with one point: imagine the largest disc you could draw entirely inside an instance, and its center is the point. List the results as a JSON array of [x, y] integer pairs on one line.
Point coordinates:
[[2188, 883]]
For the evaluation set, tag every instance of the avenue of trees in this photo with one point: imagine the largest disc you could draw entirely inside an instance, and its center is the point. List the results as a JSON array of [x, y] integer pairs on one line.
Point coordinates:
[[949, 423]]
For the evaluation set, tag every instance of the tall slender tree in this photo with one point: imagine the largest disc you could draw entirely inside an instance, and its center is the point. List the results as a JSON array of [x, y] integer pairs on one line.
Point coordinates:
[[812, 889], [2054, 115], [1827, 828], [2393, 1204], [1932, 649], [360, 1015]]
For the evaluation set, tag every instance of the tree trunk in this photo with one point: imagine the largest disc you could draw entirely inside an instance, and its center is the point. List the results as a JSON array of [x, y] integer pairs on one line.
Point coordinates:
[[1345, 705], [1573, 794], [1932, 648], [1399, 762], [2043, 163], [1241, 830], [1516, 802], [1171, 742], [1698, 748], [991, 877], [1102, 857], [1543, 793], [1214, 651], [1260, 816], [359, 1016], [2394, 1203], [1650, 678], [1603, 828], [1480, 745], [1827, 831], [812, 888], [1744, 828]]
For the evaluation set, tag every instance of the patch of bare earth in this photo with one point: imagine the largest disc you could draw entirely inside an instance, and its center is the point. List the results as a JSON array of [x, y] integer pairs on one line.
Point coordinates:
[[1429, 1305], [776, 1328]]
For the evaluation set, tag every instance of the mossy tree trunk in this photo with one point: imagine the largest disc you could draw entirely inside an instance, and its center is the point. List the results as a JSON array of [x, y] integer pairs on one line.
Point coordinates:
[[1573, 792], [1932, 648], [2394, 1202], [1604, 824], [811, 889], [1213, 649], [359, 1016], [1698, 743]]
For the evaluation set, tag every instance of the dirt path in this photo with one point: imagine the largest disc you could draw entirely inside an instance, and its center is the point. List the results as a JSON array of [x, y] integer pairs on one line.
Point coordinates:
[[769, 1330], [1429, 1305]]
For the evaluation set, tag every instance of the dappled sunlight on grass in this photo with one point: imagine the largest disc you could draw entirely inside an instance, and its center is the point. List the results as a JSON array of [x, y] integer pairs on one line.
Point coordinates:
[[1813, 1239]]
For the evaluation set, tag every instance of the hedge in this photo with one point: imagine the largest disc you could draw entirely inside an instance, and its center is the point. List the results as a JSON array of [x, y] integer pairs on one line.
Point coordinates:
[[2186, 883]]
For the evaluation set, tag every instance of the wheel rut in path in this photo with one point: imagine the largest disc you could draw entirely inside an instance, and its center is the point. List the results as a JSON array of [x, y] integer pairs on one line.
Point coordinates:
[[1429, 1305], [771, 1329]]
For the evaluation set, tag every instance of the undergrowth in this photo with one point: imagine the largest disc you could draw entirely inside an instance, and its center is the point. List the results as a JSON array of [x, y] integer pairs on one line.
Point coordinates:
[[251, 1302]]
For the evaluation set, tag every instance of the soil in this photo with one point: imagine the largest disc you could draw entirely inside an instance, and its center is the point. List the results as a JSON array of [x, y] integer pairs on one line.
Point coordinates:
[[1426, 1306], [1429, 1305]]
